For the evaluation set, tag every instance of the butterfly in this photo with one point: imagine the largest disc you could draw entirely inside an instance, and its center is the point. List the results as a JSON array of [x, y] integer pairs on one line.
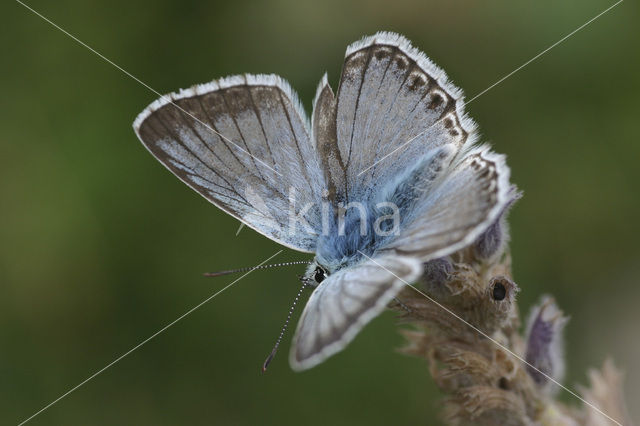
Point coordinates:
[[385, 176]]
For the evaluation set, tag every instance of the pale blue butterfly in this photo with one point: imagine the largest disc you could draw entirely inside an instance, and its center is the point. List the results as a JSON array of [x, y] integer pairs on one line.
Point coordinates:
[[394, 139]]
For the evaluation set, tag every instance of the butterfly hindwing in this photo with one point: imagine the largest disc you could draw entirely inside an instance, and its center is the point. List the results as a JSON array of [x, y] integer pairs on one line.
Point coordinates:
[[324, 125], [460, 205], [344, 303]]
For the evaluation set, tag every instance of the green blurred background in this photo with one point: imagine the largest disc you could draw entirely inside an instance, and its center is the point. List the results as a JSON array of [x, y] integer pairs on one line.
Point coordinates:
[[100, 246]]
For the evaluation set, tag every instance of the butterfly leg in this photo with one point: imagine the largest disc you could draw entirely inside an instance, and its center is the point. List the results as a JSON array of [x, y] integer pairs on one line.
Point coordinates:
[[402, 305]]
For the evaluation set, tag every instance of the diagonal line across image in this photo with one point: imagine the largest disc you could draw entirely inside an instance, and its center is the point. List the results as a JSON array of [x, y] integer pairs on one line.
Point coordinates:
[[389, 154], [124, 355], [257, 159], [500, 345]]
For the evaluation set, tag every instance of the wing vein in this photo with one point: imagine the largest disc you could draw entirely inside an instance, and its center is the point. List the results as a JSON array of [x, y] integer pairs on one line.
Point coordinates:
[[355, 111], [217, 132], [196, 157], [264, 133], [235, 122], [190, 126], [295, 139], [395, 98]]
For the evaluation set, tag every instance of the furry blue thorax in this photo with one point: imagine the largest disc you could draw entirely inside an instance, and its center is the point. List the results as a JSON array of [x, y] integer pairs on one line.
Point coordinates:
[[365, 226], [336, 250]]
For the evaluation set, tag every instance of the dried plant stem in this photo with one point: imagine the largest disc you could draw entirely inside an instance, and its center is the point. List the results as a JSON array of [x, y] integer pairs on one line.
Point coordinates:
[[484, 383]]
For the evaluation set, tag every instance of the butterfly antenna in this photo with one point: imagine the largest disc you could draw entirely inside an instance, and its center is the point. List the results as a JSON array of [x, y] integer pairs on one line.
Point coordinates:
[[284, 328], [253, 268]]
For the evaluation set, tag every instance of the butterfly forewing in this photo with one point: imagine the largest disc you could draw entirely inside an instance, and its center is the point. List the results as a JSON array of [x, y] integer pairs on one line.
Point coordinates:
[[393, 102], [244, 144]]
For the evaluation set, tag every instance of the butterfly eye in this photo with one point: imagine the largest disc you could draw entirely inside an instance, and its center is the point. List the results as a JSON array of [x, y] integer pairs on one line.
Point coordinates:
[[319, 275]]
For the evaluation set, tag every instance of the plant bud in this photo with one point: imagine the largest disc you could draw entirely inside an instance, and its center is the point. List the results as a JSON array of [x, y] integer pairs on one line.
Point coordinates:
[[492, 240], [436, 274], [544, 341]]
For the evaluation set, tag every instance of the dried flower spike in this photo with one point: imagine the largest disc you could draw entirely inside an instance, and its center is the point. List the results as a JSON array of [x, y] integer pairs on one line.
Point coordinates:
[[495, 237], [545, 346]]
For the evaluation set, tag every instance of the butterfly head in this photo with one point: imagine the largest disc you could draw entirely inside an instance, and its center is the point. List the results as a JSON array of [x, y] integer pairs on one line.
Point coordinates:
[[315, 274]]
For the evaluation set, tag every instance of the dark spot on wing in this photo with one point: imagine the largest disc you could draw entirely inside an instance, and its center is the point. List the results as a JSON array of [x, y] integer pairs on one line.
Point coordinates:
[[382, 52], [436, 101], [475, 163], [402, 62], [448, 123], [353, 66], [417, 81]]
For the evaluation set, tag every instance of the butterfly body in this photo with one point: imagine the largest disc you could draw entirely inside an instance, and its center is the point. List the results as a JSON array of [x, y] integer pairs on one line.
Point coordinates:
[[384, 177], [336, 250]]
